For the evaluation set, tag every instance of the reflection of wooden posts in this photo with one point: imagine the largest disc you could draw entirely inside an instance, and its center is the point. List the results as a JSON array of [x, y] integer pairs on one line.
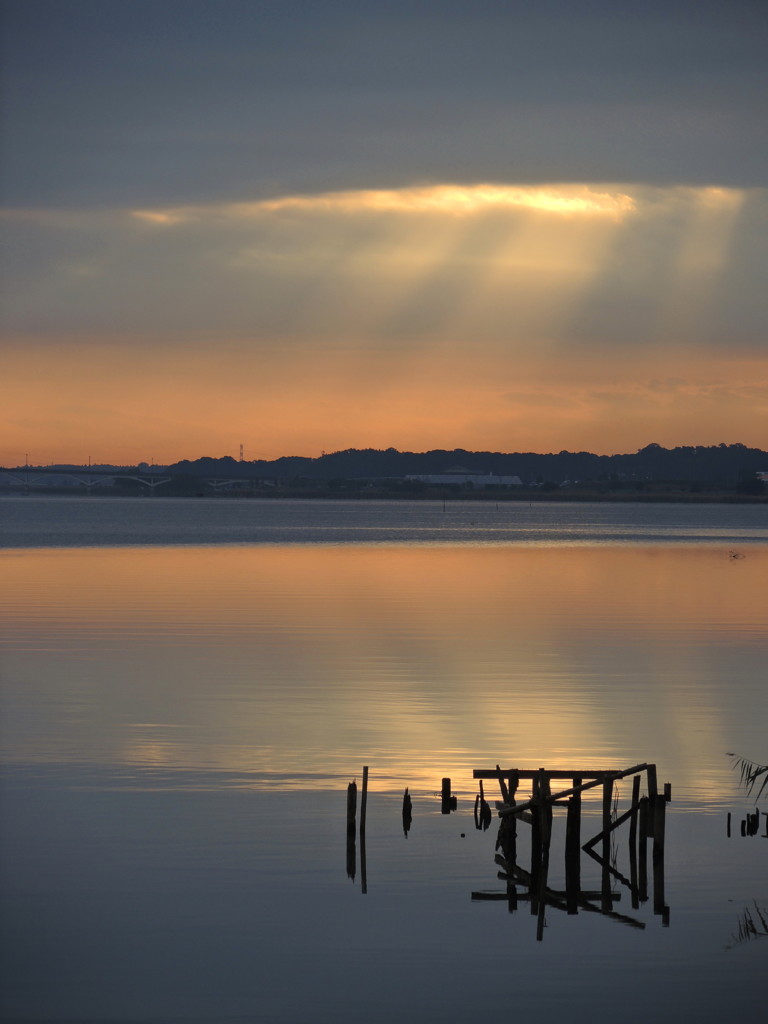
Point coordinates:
[[573, 849], [351, 828], [363, 872], [633, 841]]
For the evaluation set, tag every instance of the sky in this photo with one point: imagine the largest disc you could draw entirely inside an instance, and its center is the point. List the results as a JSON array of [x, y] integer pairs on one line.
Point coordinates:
[[310, 226]]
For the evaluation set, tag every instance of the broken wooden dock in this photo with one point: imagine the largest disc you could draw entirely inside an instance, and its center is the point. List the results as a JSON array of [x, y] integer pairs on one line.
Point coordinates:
[[645, 817]]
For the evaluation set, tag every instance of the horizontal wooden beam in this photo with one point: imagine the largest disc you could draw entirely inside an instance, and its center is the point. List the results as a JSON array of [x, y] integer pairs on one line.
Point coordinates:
[[603, 774], [606, 776]]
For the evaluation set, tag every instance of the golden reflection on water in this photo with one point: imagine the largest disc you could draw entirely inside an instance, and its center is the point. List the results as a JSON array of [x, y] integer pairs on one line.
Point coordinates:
[[276, 662]]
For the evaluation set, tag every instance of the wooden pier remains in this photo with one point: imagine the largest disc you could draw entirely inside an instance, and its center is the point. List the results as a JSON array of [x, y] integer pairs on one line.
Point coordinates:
[[646, 818]]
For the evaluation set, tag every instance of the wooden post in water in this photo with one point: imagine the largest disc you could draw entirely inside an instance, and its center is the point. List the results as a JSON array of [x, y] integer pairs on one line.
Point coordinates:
[[536, 839], [363, 807], [642, 887], [502, 786], [633, 842], [606, 848], [514, 782], [445, 797], [545, 817], [407, 812], [573, 850], [508, 840], [364, 800], [653, 794], [352, 806], [351, 828], [659, 816]]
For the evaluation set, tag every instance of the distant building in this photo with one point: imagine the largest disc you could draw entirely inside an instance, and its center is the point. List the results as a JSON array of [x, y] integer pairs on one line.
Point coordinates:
[[461, 476]]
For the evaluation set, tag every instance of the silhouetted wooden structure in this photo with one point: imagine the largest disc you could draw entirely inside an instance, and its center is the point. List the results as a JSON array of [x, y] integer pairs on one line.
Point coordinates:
[[448, 801], [407, 812], [646, 818]]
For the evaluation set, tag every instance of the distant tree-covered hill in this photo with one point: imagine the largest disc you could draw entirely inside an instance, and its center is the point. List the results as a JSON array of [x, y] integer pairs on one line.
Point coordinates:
[[723, 464]]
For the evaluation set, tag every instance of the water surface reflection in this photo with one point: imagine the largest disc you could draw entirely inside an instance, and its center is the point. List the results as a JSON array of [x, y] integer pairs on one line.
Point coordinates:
[[180, 725], [289, 662]]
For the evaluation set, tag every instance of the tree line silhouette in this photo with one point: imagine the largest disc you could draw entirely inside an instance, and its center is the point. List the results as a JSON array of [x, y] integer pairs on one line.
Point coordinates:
[[734, 466]]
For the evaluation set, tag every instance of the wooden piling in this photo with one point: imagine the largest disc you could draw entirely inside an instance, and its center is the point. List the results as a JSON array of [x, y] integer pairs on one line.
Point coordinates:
[[351, 829], [659, 814], [634, 807], [642, 853], [502, 786], [508, 842], [573, 849], [483, 813], [364, 800], [352, 806], [606, 849], [633, 842], [363, 807], [514, 782], [545, 816], [646, 817], [446, 802], [535, 844], [407, 812], [652, 784]]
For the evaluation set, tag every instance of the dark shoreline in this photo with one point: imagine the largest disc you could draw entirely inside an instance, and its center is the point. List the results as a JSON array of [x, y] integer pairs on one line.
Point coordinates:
[[669, 497]]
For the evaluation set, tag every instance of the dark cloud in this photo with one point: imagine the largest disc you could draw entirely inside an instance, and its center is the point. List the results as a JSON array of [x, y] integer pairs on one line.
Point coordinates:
[[158, 101]]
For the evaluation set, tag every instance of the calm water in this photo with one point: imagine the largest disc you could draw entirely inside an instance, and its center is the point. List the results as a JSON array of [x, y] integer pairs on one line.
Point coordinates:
[[188, 687]]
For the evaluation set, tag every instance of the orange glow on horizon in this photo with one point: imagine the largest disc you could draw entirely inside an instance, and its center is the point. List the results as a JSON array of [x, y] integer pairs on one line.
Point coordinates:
[[100, 401]]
